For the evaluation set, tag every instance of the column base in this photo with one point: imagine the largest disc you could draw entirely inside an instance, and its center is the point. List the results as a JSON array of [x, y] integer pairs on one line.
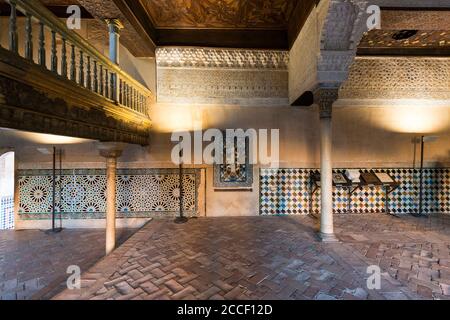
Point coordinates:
[[54, 231], [181, 220], [328, 238]]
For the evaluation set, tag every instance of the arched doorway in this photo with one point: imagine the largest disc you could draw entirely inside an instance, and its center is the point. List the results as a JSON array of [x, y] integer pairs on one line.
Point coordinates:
[[7, 191]]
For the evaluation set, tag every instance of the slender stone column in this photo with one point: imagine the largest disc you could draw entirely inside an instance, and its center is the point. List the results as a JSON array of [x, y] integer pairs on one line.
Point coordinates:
[[325, 99], [111, 151], [114, 26]]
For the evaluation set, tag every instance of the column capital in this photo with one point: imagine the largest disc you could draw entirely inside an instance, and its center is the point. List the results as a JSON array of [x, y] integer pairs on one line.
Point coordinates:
[[325, 97], [110, 149], [115, 25]]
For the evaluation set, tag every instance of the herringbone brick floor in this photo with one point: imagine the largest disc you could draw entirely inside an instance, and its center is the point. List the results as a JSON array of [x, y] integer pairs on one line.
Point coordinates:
[[413, 251], [33, 264], [274, 258]]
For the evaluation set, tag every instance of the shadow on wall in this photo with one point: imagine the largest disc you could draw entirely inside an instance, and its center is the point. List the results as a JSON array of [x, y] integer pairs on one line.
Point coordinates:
[[141, 69]]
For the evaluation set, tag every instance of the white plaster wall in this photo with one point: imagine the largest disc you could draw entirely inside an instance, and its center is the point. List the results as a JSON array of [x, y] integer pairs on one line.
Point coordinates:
[[141, 69], [220, 203], [376, 137], [361, 139]]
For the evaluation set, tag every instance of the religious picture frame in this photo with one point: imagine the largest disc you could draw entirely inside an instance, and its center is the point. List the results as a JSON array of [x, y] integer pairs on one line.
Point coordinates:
[[234, 176]]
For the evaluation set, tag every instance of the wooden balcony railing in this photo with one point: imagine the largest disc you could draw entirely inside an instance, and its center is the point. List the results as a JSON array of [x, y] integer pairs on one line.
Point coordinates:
[[76, 59]]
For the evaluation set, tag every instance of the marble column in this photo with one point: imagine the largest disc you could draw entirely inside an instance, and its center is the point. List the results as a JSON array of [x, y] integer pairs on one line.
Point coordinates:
[[325, 98], [111, 151], [114, 27]]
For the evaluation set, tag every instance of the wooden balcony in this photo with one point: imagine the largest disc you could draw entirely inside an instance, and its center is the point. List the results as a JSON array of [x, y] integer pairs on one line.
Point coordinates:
[[73, 90]]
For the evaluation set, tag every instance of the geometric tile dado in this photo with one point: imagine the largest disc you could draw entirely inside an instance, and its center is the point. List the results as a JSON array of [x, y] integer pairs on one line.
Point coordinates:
[[81, 194], [284, 191], [6, 213], [288, 192]]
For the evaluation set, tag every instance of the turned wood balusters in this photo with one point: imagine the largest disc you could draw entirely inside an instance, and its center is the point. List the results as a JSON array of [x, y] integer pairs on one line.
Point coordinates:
[[29, 38], [72, 57], [13, 36]]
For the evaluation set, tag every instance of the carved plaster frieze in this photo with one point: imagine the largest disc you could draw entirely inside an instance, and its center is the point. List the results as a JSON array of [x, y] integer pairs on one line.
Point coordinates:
[[222, 76], [221, 58], [398, 78], [243, 87]]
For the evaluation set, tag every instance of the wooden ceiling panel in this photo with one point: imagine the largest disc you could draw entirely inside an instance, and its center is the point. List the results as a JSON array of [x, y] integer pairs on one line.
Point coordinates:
[[220, 14], [258, 24]]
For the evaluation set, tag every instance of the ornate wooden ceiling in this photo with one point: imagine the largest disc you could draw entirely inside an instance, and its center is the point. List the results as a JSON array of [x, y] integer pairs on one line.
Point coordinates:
[[259, 24], [264, 24], [221, 14]]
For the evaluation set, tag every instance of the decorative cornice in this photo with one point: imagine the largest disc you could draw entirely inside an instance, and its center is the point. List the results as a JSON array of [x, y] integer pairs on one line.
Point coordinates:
[[221, 58]]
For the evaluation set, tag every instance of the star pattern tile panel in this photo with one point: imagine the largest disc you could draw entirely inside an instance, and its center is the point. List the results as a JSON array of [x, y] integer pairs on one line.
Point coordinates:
[[81, 194]]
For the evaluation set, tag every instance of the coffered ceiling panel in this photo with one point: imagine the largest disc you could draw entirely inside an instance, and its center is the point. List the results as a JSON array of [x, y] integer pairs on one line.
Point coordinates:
[[220, 14]]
